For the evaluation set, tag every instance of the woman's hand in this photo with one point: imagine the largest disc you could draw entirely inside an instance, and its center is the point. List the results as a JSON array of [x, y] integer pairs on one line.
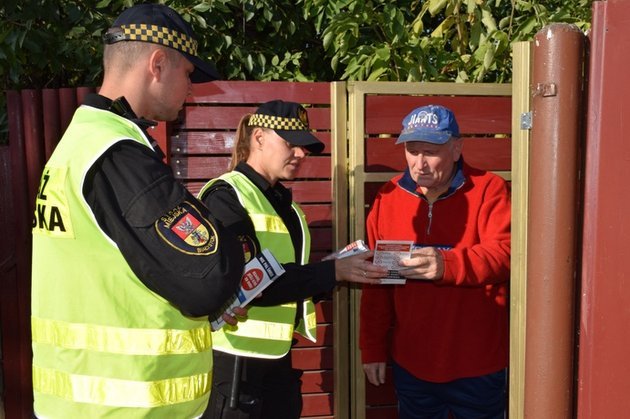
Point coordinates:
[[357, 268]]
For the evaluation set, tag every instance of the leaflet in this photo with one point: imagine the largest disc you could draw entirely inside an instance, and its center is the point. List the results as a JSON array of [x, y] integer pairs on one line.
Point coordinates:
[[387, 253], [259, 273], [355, 248]]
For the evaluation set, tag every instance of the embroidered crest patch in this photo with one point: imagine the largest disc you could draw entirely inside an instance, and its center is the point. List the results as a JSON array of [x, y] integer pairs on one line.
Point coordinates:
[[185, 229]]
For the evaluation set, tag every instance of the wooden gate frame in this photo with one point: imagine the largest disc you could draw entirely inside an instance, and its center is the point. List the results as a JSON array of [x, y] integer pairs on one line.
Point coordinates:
[[357, 177], [521, 106]]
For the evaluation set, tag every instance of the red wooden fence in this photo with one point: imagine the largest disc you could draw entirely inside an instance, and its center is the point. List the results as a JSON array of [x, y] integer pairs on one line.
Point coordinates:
[[198, 148]]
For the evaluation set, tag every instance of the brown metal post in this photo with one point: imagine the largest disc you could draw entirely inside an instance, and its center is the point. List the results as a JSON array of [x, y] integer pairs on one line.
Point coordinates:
[[557, 85]]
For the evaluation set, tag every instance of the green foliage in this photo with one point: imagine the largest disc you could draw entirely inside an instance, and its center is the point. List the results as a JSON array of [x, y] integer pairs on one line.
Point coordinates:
[[53, 43], [57, 43], [434, 40]]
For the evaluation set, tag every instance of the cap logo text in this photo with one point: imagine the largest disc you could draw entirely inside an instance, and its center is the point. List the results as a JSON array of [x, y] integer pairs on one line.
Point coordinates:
[[423, 118]]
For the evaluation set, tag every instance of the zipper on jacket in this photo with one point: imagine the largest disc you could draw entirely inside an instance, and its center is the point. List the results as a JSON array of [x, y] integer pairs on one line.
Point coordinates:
[[430, 216]]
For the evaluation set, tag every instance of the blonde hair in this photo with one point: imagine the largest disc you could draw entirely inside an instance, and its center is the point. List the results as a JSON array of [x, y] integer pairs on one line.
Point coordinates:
[[242, 147]]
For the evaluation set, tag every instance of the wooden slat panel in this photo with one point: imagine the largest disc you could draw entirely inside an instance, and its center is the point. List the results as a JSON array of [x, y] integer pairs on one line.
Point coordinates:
[[219, 142], [317, 381], [312, 358], [208, 167], [258, 92], [310, 191], [221, 117], [203, 142], [317, 404], [475, 114], [321, 239], [324, 311], [383, 155], [317, 255], [489, 153], [318, 215]]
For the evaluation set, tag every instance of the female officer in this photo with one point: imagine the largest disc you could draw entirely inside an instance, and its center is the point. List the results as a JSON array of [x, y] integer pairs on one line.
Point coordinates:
[[271, 145]]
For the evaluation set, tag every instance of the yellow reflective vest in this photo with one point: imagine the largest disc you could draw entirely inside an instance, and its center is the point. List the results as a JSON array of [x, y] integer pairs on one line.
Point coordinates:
[[104, 345], [268, 331]]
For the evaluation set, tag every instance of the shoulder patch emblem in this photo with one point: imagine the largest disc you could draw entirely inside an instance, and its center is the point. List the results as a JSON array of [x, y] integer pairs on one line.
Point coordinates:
[[185, 229]]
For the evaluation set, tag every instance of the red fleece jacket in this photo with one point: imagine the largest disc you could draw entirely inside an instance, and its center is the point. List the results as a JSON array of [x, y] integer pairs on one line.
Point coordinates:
[[456, 327]]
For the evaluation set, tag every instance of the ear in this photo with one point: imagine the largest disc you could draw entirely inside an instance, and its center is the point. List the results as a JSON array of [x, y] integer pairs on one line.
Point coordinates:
[[457, 145], [257, 136], [157, 63]]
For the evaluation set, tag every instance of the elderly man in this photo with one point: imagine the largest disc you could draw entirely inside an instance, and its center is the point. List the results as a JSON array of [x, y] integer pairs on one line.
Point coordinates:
[[446, 328]]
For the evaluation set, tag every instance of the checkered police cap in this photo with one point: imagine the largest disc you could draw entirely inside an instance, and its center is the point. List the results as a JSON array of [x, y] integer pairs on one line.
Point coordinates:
[[278, 122], [290, 121], [159, 24]]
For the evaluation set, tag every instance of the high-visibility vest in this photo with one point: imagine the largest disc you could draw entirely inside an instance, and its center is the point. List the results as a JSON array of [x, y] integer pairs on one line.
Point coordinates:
[[104, 345], [268, 331]]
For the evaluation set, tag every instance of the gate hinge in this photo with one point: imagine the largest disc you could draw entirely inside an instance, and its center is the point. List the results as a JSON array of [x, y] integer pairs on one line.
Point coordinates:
[[526, 120]]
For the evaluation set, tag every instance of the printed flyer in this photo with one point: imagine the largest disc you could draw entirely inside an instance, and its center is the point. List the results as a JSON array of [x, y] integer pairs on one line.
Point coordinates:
[[388, 253]]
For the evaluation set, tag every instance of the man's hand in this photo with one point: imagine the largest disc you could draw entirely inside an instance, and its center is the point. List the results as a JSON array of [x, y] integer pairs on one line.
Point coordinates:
[[239, 312], [358, 269], [425, 263], [375, 372]]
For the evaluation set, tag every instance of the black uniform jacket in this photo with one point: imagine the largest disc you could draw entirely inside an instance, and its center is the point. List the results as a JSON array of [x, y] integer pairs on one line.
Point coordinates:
[[299, 281], [131, 192]]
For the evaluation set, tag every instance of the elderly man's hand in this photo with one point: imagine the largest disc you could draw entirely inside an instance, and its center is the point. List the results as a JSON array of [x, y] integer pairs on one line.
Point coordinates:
[[425, 263], [375, 372]]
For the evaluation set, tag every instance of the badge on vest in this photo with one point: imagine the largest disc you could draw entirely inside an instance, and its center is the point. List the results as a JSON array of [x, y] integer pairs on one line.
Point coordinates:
[[52, 210], [249, 247], [185, 229]]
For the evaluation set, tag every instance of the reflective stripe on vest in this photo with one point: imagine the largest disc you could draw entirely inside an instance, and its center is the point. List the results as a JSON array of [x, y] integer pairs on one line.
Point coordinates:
[[270, 223], [268, 331], [120, 340], [115, 392]]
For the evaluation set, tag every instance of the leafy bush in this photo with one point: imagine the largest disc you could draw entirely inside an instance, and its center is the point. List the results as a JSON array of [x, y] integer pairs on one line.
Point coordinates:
[[57, 43]]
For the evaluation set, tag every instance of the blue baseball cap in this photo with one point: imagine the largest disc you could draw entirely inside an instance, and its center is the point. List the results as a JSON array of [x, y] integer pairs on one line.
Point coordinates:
[[432, 124]]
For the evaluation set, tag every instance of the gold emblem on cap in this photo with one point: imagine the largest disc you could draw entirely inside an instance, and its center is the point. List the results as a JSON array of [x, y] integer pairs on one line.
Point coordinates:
[[303, 116]]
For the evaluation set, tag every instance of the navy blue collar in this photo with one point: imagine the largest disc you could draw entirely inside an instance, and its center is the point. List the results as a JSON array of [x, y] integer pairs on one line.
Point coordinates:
[[407, 183]]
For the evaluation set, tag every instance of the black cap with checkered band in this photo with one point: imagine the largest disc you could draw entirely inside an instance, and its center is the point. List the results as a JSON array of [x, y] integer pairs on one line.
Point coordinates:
[[290, 121], [159, 24]]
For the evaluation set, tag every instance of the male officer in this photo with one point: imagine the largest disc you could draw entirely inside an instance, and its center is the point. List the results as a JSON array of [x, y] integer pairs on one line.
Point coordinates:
[[127, 264]]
